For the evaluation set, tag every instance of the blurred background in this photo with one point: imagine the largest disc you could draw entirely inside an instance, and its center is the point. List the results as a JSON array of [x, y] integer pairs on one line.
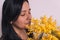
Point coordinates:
[[40, 8]]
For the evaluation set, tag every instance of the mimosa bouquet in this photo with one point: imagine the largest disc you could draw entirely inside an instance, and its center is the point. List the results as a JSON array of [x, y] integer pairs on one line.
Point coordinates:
[[44, 29]]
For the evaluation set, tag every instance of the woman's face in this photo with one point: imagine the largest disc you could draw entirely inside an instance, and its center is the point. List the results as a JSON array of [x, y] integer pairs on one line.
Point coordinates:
[[24, 18]]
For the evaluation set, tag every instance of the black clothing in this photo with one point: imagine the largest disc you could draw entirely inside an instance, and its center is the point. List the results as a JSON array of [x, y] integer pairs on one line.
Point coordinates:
[[13, 36]]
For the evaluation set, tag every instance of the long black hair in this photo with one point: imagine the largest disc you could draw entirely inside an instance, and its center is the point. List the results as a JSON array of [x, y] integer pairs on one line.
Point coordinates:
[[10, 12]]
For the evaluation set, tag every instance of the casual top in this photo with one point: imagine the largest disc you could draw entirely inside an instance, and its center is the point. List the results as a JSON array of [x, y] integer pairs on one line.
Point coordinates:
[[13, 36]]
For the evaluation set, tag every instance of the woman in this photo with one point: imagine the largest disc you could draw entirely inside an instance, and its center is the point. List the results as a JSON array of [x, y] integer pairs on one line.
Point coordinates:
[[15, 16]]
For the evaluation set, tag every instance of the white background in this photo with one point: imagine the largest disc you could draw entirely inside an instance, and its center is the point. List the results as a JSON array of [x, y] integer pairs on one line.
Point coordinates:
[[40, 8], [1, 3]]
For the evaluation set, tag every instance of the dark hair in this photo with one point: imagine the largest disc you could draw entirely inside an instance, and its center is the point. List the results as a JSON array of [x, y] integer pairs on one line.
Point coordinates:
[[10, 12]]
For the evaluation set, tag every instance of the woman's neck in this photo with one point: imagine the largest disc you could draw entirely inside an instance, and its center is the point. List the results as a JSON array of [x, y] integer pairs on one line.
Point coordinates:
[[21, 33]]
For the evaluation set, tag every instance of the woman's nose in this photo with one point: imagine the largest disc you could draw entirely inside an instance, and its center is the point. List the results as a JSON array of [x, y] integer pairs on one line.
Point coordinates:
[[29, 16]]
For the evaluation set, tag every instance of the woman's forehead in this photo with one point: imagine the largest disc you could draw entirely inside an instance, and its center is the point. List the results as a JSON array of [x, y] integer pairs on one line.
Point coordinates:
[[25, 6]]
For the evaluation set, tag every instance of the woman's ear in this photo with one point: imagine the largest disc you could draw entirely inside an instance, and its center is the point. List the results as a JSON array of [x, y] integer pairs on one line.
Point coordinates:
[[11, 22]]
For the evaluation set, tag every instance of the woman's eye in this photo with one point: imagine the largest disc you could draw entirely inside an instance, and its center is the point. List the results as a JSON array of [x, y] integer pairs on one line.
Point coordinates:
[[23, 14]]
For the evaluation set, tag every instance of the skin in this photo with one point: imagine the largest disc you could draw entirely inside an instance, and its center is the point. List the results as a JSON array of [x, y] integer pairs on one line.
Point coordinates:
[[24, 19]]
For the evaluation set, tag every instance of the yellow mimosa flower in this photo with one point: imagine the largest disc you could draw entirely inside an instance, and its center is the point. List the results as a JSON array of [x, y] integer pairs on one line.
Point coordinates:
[[44, 25]]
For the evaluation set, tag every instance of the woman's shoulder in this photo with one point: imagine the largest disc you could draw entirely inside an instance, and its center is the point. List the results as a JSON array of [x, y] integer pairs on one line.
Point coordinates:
[[9, 37], [3, 37]]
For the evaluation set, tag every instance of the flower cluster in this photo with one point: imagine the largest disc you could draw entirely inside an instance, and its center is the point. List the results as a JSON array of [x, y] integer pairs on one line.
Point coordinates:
[[44, 29]]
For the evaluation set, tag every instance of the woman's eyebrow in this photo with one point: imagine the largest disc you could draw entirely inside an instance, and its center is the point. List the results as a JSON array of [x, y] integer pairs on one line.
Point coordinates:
[[25, 10]]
